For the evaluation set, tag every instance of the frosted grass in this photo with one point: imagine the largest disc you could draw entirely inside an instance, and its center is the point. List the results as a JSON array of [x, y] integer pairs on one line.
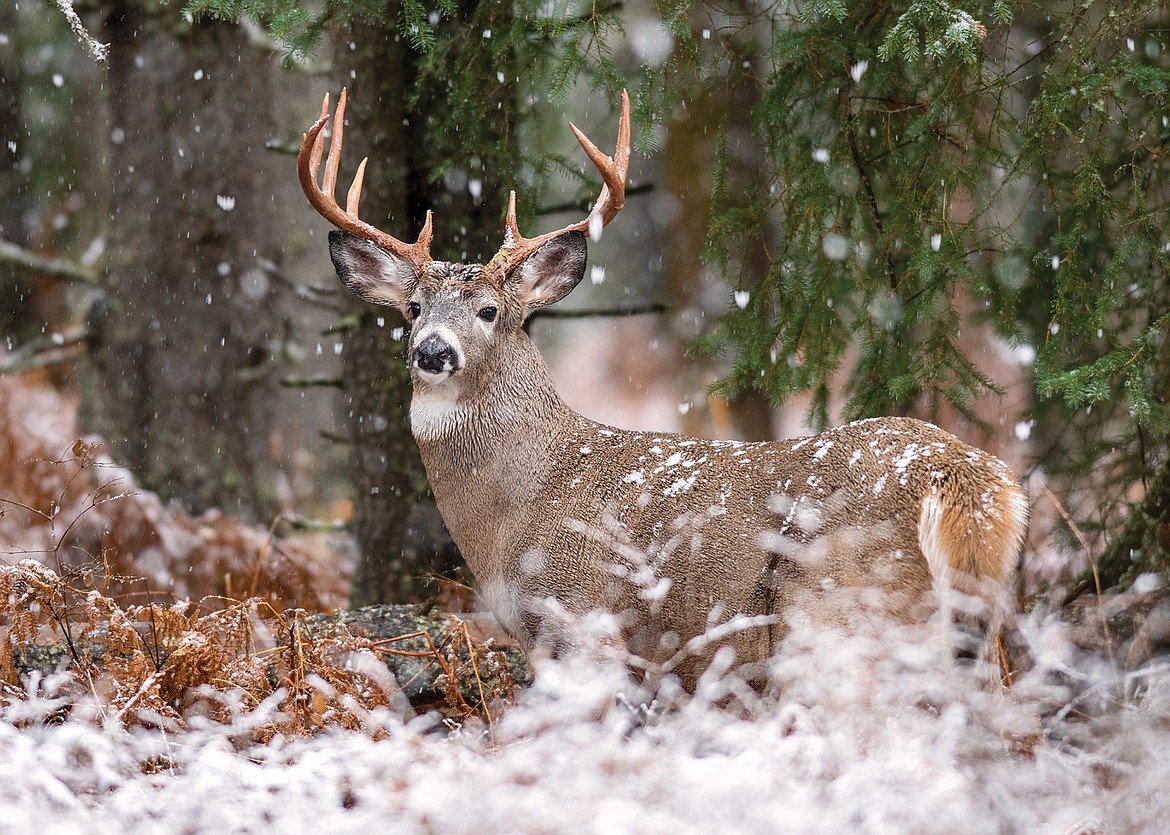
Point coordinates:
[[859, 733]]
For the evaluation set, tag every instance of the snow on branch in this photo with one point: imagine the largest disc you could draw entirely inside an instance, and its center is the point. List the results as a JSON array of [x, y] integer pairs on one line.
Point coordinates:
[[100, 52]]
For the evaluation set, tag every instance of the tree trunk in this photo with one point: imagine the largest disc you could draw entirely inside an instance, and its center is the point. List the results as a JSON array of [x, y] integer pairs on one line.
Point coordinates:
[[688, 158], [406, 145], [181, 379], [15, 284]]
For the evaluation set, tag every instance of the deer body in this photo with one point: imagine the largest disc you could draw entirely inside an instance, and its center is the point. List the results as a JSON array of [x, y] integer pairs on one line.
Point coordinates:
[[680, 534], [559, 516]]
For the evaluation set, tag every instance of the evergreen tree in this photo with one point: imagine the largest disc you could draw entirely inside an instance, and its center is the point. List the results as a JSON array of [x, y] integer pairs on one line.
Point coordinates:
[[924, 166], [181, 380], [920, 155]]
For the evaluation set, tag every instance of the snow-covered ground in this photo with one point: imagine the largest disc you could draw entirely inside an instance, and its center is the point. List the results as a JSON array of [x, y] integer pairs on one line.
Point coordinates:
[[863, 734]]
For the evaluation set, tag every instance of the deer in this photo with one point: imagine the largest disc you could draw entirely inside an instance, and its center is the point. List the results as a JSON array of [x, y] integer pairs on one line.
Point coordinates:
[[691, 546]]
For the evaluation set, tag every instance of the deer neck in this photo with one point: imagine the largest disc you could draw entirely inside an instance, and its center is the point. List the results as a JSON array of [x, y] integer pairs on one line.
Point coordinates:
[[486, 443]]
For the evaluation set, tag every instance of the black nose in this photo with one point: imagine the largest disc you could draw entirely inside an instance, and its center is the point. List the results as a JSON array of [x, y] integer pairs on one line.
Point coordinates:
[[434, 355]]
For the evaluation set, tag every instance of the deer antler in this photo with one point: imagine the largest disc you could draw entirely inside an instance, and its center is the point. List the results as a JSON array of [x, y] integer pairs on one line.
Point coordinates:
[[613, 196], [417, 254]]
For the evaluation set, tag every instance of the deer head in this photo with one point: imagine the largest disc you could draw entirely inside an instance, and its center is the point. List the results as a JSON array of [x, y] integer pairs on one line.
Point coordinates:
[[462, 315]]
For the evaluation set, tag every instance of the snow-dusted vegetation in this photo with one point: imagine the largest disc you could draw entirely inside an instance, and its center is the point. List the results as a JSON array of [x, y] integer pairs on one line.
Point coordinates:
[[860, 736], [948, 209]]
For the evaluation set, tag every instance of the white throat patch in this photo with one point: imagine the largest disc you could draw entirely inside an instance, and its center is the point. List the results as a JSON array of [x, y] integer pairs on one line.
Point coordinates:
[[435, 412]]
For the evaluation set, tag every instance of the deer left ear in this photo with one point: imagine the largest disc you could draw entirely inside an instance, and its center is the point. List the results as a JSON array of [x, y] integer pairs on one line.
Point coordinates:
[[550, 273]]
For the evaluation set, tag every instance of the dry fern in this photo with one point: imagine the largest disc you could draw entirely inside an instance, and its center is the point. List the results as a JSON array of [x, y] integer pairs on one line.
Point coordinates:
[[76, 536], [58, 506], [153, 663]]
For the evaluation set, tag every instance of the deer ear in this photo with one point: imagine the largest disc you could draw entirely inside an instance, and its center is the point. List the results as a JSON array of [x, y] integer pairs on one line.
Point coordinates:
[[370, 271], [548, 274]]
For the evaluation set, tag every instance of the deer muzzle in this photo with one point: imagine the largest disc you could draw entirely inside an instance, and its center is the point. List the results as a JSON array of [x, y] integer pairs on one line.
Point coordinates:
[[434, 355]]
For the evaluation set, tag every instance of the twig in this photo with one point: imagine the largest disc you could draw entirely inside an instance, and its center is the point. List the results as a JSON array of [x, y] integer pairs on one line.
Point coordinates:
[[147, 683], [589, 313], [1076, 530], [312, 382], [348, 323], [262, 553], [433, 653], [313, 295], [1003, 662], [154, 653], [483, 704], [301, 523], [585, 204], [100, 52], [45, 352], [57, 267]]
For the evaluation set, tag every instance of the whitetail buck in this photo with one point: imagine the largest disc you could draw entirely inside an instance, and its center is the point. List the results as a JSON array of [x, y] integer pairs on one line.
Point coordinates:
[[679, 537]]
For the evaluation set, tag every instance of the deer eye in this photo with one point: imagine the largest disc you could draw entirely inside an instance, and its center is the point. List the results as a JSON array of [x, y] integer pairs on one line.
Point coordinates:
[[415, 310], [488, 314]]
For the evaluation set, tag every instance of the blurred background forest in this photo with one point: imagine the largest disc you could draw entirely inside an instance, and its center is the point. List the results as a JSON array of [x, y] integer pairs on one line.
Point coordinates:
[[955, 210]]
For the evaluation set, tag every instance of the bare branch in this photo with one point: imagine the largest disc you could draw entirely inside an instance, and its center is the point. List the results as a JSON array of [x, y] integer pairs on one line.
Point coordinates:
[[41, 353], [57, 267], [590, 313], [312, 382], [99, 52]]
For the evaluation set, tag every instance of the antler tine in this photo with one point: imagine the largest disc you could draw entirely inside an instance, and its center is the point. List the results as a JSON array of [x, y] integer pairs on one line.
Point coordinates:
[[610, 201], [613, 171], [329, 184], [322, 197]]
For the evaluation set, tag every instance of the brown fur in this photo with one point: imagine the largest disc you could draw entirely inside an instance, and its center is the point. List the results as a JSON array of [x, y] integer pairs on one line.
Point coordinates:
[[559, 516]]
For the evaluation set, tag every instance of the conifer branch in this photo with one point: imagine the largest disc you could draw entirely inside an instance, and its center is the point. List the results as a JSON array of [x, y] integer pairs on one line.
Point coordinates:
[[871, 196]]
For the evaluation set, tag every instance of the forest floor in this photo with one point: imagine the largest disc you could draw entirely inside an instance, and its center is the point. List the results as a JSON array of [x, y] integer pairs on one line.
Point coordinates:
[[245, 713]]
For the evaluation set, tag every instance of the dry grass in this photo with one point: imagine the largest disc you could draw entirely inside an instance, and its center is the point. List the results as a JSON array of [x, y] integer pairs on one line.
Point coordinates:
[[102, 577]]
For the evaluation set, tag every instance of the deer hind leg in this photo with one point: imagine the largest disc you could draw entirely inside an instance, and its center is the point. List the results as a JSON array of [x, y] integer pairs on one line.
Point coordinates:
[[971, 551]]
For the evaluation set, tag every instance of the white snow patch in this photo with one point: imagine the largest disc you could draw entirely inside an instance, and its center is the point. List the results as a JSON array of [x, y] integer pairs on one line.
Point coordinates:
[[681, 485]]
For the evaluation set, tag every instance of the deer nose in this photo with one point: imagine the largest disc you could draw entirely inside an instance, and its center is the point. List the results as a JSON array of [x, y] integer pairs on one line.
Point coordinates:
[[434, 355]]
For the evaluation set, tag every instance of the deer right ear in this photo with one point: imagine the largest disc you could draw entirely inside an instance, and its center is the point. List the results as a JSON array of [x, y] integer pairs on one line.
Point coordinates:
[[371, 272]]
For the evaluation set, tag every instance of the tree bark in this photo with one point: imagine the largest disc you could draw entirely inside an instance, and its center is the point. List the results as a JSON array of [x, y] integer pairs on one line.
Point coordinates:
[[181, 380], [406, 145], [15, 284]]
